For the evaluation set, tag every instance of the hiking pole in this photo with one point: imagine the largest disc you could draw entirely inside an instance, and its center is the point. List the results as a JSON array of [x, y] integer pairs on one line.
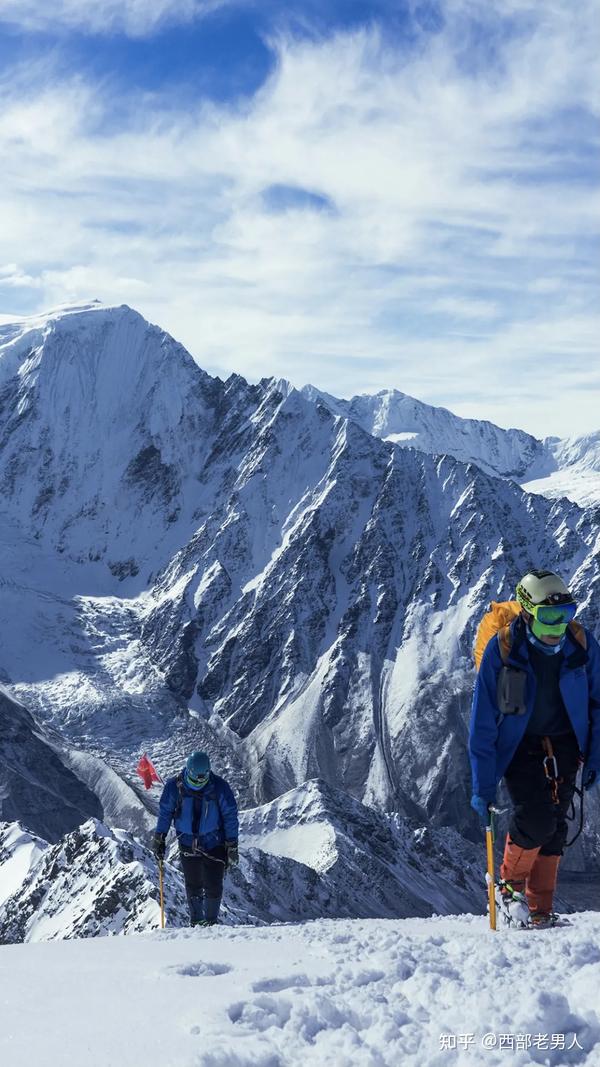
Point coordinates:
[[490, 874], [162, 894]]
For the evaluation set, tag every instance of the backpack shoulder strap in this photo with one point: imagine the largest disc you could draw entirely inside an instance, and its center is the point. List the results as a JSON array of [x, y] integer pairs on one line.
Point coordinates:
[[578, 634], [179, 805], [505, 642]]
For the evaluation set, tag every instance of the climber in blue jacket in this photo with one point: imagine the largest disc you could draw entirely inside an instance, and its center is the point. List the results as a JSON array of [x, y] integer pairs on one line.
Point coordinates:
[[204, 811], [535, 720]]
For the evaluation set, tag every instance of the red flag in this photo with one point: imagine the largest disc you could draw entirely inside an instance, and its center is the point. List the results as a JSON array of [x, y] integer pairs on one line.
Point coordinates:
[[148, 772]]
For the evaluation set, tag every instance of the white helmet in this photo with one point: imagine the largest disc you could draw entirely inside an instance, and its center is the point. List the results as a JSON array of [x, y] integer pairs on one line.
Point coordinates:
[[542, 587]]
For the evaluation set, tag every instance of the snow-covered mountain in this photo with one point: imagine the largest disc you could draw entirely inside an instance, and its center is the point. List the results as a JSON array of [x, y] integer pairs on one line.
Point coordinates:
[[313, 852], [106, 425], [247, 568], [555, 467], [407, 422], [20, 851], [577, 471], [37, 786]]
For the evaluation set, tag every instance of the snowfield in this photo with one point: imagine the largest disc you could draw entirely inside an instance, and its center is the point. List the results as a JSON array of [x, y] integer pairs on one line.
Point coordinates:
[[347, 993]]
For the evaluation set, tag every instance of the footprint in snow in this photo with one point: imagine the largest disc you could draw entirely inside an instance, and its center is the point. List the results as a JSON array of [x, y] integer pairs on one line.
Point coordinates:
[[276, 985], [202, 969], [261, 1014], [362, 978]]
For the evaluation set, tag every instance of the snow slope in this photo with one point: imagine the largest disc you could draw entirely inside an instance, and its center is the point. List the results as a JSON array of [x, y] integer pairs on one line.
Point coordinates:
[[577, 473], [349, 993], [20, 852]]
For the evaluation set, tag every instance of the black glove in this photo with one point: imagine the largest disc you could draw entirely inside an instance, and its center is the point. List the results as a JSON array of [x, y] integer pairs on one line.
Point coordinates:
[[159, 844], [233, 856]]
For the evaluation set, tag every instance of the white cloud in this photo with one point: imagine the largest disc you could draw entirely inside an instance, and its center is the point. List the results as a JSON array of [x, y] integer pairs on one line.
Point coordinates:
[[11, 276], [418, 152], [134, 17]]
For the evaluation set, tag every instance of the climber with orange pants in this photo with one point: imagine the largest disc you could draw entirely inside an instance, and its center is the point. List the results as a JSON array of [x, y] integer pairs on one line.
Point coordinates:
[[535, 719]]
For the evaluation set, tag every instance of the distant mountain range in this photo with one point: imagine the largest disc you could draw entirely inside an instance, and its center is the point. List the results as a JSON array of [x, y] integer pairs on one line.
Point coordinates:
[[290, 580], [554, 467]]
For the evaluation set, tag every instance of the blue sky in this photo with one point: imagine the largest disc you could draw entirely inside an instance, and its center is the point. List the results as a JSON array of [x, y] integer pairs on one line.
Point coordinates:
[[358, 195]]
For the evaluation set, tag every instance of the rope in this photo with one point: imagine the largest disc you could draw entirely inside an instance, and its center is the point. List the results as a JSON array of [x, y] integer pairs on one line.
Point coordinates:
[[200, 852], [580, 793], [551, 772]]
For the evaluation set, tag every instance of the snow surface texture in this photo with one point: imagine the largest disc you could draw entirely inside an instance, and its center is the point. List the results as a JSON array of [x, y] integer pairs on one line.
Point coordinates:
[[361, 993], [188, 563]]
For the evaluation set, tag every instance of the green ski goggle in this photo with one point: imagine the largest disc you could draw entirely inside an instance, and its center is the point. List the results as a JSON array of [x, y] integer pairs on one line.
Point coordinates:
[[551, 620], [199, 781]]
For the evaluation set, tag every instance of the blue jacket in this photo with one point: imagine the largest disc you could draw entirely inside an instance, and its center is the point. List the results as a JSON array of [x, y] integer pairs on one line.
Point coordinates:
[[210, 814], [494, 737]]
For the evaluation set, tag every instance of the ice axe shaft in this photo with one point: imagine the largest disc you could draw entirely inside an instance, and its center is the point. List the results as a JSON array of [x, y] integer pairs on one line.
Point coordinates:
[[490, 876], [162, 894]]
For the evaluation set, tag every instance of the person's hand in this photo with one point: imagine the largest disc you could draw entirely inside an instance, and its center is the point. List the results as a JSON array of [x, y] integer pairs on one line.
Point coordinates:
[[159, 844], [591, 779], [481, 806], [233, 856]]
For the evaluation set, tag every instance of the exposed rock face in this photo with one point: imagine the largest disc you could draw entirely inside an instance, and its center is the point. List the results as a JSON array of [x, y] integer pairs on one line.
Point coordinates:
[[36, 786], [92, 882]]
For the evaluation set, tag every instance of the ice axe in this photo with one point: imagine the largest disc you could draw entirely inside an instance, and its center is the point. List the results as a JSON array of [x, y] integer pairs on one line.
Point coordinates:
[[490, 875], [162, 894]]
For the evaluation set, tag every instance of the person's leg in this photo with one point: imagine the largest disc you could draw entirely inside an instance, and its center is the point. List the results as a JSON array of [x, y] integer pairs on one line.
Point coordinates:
[[213, 884], [194, 885], [541, 882], [517, 864], [533, 820]]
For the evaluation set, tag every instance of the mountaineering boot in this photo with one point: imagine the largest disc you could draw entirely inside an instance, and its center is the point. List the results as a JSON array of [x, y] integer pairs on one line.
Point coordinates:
[[541, 920], [516, 868], [541, 883], [513, 903]]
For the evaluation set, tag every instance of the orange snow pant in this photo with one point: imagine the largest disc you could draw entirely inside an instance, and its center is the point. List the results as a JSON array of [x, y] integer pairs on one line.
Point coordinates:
[[530, 870]]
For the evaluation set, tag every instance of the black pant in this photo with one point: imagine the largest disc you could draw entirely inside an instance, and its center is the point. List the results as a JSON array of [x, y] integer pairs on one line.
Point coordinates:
[[536, 820], [203, 876]]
